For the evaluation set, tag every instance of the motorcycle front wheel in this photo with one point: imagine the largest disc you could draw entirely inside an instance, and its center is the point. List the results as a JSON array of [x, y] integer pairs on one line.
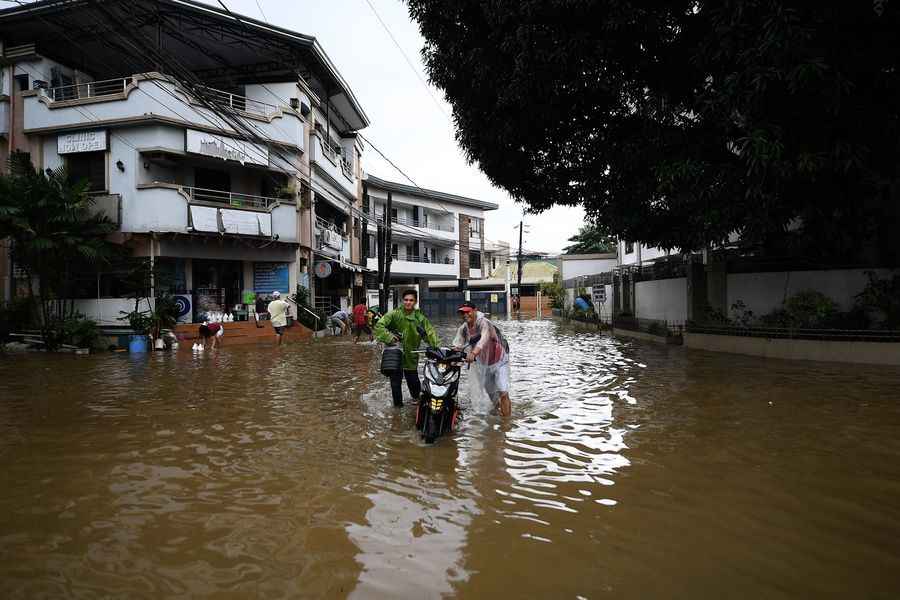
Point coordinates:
[[432, 428]]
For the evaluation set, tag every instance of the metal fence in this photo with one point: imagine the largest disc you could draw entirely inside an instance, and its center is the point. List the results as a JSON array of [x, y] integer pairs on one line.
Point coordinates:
[[844, 335]]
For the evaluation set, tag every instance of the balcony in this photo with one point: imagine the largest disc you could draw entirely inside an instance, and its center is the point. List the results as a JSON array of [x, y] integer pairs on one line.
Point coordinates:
[[166, 207], [331, 241], [334, 164], [154, 97], [408, 264]]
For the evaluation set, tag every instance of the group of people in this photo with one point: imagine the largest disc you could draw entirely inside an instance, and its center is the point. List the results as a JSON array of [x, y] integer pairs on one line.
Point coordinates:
[[276, 311], [481, 338], [359, 321]]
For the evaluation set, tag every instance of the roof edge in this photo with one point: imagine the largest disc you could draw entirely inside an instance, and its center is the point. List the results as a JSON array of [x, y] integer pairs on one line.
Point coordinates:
[[432, 194]]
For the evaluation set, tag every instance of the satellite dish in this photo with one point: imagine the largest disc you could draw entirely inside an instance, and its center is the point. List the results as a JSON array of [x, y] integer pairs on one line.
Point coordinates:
[[323, 269]]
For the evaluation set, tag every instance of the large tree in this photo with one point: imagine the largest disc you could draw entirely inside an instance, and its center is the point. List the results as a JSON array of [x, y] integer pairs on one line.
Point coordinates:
[[590, 239], [678, 122]]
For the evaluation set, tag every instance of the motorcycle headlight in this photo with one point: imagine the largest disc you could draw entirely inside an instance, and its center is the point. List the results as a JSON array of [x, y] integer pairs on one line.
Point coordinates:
[[442, 368]]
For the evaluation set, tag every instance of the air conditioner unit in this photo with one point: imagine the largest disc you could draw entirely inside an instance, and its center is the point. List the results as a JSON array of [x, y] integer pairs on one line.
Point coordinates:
[[295, 103]]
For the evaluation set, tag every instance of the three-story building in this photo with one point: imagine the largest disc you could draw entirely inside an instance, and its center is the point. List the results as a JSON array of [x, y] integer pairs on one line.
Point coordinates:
[[223, 148]]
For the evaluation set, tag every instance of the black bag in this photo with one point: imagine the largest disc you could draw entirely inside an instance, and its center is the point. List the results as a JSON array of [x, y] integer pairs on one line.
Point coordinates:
[[391, 360]]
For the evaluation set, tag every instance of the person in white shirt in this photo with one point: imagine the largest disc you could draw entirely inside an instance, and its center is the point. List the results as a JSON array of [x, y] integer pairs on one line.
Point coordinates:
[[278, 313]]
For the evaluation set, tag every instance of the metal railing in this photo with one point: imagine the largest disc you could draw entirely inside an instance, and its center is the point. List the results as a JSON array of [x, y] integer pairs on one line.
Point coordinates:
[[447, 260], [91, 89], [236, 101], [868, 335], [421, 223], [232, 199], [346, 169], [324, 224]]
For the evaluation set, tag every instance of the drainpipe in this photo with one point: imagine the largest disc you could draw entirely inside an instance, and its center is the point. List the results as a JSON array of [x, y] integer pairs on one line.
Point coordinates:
[[152, 271]]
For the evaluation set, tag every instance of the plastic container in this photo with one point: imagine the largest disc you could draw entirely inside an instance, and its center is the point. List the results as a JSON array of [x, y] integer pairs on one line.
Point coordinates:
[[391, 360], [137, 344], [582, 303]]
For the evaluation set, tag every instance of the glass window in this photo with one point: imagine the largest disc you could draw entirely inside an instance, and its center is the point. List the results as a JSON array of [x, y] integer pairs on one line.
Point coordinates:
[[90, 166], [474, 260], [629, 247]]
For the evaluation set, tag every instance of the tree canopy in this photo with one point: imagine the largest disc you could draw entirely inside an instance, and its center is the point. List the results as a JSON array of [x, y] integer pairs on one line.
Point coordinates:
[[676, 122], [590, 239]]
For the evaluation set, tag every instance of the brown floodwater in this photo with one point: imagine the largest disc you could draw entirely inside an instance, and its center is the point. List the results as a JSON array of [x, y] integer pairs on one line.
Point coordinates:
[[628, 470]]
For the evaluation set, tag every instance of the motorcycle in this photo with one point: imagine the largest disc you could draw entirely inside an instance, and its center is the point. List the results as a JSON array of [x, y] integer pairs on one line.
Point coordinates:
[[438, 412]]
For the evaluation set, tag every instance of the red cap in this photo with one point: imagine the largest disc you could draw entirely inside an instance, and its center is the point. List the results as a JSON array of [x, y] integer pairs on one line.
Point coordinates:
[[466, 307]]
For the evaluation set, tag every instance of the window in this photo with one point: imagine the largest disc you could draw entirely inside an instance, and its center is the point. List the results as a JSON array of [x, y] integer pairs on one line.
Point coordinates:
[[393, 214], [394, 250], [90, 166], [475, 227], [22, 82], [474, 260], [372, 246], [433, 255], [356, 227], [629, 247], [410, 252]]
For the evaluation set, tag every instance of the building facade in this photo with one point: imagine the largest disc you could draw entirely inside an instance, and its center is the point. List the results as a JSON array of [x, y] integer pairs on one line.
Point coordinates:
[[228, 158], [435, 236]]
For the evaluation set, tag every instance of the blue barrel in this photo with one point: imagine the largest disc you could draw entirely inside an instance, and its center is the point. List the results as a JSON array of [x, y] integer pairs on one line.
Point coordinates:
[[582, 304], [137, 344]]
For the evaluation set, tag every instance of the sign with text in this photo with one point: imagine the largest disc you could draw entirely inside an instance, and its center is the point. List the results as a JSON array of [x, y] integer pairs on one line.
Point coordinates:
[[226, 148], [598, 294], [271, 276], [81, 141]]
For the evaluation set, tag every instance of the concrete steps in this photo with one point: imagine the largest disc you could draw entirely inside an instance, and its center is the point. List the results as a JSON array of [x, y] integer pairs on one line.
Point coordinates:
[[243, 332]]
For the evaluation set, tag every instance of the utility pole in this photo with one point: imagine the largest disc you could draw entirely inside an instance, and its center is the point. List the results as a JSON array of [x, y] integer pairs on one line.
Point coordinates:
[[521, 227], [386, 283]]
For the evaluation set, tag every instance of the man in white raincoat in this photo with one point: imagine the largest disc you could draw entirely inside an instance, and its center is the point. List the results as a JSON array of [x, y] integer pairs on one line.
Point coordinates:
[[490, 350]]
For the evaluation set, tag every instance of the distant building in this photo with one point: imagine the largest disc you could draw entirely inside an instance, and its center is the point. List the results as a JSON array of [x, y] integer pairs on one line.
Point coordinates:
[[436, 236]]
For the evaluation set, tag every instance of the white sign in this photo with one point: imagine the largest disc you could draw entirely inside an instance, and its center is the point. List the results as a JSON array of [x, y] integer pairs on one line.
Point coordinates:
[[81, 141], [226, 148], [599, 294], [224, 220]]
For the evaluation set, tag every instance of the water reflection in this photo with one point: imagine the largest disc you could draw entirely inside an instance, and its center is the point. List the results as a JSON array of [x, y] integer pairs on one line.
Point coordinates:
[[287, 473]]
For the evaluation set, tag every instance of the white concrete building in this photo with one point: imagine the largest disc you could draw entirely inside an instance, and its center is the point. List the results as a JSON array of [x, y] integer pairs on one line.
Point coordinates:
[[435, 235], [228, 155]]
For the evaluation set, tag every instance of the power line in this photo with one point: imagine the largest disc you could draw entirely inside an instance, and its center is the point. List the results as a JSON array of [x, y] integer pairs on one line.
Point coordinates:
[[259, 6], [406, 58]]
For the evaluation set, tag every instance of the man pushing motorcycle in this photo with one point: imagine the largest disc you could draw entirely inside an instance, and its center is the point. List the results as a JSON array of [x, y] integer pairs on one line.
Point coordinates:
[[491, 350], [402, 325]]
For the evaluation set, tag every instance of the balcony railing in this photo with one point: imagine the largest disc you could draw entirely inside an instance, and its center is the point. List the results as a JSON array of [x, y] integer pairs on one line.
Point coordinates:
[[109, 87], [232, 199], [421, 223], [236, 102], [91, 89], [447, 260]]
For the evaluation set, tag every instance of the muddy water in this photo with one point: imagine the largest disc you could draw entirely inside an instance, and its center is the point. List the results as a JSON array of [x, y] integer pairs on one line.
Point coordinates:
[[628, 470]]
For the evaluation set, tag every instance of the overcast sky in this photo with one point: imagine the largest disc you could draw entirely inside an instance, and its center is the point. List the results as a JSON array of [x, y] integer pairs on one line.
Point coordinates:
[[411, 126]]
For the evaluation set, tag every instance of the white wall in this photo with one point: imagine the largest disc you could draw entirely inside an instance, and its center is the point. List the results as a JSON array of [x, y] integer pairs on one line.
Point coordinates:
[[106, 311], [664, 299], [575, 267], [765, 292]]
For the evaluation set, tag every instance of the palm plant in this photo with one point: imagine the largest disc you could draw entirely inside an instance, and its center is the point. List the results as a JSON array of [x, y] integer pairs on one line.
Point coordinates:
[[55, 233]]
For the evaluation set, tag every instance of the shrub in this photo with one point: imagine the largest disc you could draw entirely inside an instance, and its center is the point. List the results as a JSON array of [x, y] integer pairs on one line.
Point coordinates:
[[807, 309], [881, 299]]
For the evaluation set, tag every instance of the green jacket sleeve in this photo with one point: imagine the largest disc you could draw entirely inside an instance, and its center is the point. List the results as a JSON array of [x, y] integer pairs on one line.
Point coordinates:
[[433, 339], [381, 328]]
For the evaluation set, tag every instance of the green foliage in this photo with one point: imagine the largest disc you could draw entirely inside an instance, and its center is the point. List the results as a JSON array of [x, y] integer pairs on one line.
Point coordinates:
[[881, 299], [807, 309], [302, 299], [164, 315], [55, 233], [657, 328], [590, 239], [677, 123], [741, 315], [556, 292]]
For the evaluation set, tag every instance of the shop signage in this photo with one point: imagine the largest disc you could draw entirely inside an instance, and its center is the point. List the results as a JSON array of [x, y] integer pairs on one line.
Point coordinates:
[[598, 294], [81, 141], [323, 269], [226, 148], [271, 276]]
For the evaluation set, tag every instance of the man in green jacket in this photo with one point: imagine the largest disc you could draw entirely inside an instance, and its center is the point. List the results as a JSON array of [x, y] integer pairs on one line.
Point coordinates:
[[405, 321]]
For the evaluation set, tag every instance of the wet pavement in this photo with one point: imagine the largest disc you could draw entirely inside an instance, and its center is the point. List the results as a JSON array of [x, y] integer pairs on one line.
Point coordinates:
[[627, 470]]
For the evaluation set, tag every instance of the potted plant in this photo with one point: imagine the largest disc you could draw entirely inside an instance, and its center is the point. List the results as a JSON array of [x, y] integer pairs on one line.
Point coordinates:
[[164, 316]]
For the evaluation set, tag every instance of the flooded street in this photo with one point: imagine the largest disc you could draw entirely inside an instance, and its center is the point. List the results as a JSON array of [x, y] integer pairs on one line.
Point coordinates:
[[627, 470]]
